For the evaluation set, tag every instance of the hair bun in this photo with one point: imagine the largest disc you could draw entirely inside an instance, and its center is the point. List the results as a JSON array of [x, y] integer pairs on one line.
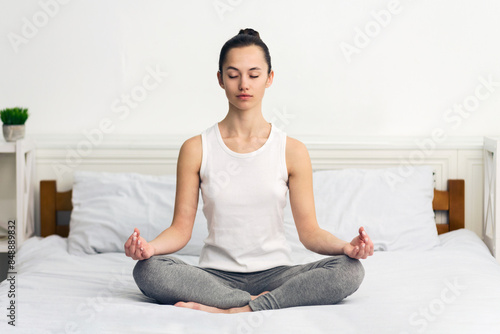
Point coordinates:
[[249, 31]]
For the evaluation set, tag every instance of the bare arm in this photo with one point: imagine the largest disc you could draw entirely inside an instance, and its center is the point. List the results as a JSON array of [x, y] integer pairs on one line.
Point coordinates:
[[313, 237], [178, 234]]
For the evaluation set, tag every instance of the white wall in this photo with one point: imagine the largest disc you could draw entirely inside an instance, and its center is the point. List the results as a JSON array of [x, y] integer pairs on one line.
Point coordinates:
[[426, 59], [340, 75]]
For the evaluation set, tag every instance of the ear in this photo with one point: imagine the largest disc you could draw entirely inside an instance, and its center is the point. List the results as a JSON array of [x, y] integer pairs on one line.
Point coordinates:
[[219, 78], [270, 79]]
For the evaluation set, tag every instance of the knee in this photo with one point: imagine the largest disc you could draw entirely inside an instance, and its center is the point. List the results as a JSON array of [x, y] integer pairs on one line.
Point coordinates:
[[141, 272], [354, 271], [357, 271], [146, 271]]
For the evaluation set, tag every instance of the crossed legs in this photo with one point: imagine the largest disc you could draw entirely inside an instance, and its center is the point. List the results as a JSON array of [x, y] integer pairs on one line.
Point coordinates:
[[171, 281]]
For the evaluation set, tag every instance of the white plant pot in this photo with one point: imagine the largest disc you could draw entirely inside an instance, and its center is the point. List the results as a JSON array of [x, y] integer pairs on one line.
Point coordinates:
[[13, 132]]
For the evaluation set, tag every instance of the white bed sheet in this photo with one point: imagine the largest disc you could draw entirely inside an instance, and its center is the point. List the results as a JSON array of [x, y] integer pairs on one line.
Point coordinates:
[[454, 288]]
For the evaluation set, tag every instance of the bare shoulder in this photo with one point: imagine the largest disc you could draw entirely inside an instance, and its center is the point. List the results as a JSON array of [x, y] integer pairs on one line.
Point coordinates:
[[193, 143], [297, 155], [295, 146], [191, 151]]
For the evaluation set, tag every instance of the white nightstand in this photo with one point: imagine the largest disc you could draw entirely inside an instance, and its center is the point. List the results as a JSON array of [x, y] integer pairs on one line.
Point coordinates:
[[24, 151], [491, 214]]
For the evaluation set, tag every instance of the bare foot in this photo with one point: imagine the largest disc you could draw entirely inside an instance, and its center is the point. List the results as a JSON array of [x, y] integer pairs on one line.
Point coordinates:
[[211, 309], [260, 294], [201, 307]]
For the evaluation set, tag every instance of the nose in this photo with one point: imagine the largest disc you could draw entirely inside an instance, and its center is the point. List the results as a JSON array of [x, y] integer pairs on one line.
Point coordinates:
[[244, 83]]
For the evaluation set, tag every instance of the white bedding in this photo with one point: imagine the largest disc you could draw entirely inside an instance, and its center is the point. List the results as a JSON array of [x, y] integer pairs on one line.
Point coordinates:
[[453, 288]]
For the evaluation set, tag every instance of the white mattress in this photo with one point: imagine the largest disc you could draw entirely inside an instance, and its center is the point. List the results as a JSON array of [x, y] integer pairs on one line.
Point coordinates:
[[454, 288]]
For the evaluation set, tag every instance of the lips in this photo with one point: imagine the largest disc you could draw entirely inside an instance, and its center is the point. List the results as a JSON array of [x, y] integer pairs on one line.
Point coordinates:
[[244, 96]]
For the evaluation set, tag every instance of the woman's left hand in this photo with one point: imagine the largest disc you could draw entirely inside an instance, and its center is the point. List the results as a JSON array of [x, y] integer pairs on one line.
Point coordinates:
[[360, 247]]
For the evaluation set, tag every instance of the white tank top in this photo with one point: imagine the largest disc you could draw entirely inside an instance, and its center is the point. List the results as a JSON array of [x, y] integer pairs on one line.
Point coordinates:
[[244, 195]]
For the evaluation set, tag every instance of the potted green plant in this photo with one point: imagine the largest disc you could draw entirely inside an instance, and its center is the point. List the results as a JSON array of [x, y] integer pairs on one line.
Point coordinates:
[[13, 120]]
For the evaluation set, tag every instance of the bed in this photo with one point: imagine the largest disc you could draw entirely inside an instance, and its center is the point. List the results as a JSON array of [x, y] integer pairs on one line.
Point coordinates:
[[446, 281]]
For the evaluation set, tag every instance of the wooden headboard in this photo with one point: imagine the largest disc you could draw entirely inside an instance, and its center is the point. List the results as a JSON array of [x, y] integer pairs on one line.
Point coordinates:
[[53, 203], [453, 202]]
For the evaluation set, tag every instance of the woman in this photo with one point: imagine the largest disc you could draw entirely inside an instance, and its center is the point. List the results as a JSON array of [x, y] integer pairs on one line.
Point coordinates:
[[245, 166]]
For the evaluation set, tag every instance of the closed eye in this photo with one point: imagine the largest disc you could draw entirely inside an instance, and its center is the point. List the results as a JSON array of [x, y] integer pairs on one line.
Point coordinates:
[[235, 76]]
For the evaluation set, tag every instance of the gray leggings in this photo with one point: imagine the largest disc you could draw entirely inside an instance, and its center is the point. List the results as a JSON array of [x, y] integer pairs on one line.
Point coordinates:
[[324, 282]]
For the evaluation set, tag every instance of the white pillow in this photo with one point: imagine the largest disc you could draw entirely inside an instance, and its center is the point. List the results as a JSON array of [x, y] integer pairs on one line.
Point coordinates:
[[396, 210], [108, 206]]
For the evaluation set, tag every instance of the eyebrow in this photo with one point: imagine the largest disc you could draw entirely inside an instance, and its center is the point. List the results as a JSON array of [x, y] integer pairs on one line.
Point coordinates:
[[252, 69]]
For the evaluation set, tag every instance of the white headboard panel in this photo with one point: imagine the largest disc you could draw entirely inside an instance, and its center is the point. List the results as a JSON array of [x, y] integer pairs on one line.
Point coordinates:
[[459, 158], [491, 231]]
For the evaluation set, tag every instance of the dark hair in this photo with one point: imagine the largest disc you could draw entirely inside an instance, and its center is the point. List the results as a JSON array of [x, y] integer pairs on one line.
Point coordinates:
[[246, 37]]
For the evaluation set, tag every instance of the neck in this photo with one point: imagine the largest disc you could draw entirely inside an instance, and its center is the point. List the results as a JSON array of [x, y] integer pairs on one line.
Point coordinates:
[[245, 123]]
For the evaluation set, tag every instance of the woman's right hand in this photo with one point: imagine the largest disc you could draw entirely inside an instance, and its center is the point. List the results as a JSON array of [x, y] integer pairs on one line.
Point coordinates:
[[137, 247]]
